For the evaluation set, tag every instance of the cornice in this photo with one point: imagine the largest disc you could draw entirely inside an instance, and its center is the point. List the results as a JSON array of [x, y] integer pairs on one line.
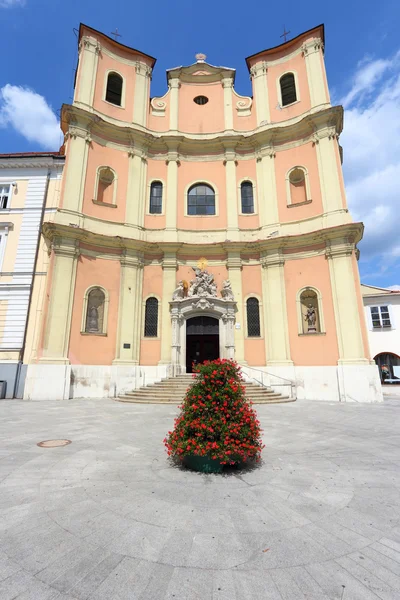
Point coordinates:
[[310, 126], [31, 163]]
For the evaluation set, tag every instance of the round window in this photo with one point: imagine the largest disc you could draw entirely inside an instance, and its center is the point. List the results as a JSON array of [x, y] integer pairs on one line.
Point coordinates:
[[296, 176], [200, 100]]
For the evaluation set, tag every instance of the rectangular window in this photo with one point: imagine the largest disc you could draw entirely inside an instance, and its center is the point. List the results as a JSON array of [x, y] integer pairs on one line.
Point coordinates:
[[4, 195], [380, 317]]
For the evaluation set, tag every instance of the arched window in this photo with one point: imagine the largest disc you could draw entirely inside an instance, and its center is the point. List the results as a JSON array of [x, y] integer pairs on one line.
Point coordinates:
[[105, 186], [247, 197], [389, 367], [114, 89], [310, 311], [95, 311], [253, 317], [201, 200], [156, 189], [288, 89], [298, 186], [151, 318]]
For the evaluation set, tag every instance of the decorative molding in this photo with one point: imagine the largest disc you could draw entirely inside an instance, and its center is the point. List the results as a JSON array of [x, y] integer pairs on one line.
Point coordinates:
[[143, 69], [89, 43], [158, 107], [258, 69], [203, 304], [227, 82], [312, 46]]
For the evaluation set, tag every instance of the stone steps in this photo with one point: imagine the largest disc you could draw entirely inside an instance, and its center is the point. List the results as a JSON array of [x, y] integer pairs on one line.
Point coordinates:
[[173, 390]]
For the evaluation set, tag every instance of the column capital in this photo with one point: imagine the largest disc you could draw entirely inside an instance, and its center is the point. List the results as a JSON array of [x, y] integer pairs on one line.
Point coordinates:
[[258, 69], [89, 43], [67, 247], [272, 258], [132, 258], [227, 82], [143, 69], [312, 46], [173, 156], [174, 83], [339, 248], [169, 260]]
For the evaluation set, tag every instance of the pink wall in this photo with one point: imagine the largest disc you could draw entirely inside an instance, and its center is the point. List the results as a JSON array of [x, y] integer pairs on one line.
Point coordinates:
[[254, 348], [118, 161], [90, 349], [297, 65], [309, 350], [207, 118], [105, 64], [302, 156], [150, 348], [198, 172]]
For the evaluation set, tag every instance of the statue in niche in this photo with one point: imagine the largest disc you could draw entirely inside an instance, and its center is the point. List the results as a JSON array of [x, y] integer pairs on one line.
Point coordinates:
[[179, 293], [226, 291], [311, 318], [93, 320], [203, 284]]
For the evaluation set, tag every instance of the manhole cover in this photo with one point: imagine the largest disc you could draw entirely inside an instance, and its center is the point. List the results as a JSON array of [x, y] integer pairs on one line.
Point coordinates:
[[53, 443]]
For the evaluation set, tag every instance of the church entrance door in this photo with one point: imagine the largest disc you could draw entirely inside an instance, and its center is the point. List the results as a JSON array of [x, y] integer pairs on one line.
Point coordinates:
[[202, 341]]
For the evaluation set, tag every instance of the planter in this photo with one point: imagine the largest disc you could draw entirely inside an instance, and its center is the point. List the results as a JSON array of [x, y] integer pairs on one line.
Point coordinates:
[[202, 464]]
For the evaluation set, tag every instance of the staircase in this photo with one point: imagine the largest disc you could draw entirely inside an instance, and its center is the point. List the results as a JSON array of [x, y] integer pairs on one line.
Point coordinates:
[[173, 391]]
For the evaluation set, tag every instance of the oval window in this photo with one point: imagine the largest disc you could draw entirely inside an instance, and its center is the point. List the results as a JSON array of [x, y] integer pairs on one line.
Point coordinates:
[[200, 100]]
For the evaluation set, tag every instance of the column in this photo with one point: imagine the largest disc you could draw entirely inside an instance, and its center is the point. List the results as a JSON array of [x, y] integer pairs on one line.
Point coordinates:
[[79, 141], [324, 142], [169, 266], [339, 253], [234, 266], [275, 311], [89, 50], [231, 194], [58, 326], [268, 198], [136, 189], [227, 84], [174, 85], [258, 73], [130, 309], [171, 195], [312, 52], [141, 93]]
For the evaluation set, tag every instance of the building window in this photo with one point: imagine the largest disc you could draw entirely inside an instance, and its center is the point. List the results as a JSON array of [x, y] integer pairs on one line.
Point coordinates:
[[114, 89], [253, 317], [201, 200], [105, 186], [4, 195], [288, 89], [151, 318], [380, 317], [201, 100], [298, 188], [247, 197], [95, 306], [389, 367], [156, 198], [310, 311]]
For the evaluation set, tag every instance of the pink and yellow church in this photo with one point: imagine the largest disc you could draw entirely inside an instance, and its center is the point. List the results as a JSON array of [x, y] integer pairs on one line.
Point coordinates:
[[197, 225]]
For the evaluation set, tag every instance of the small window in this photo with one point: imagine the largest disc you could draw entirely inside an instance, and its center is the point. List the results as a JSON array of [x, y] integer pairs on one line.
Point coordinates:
[[114, 89], [156, 198], [200, 100], [95, 311], [253, 317], [201, 200], [105, 187], [380, 317], [288, 89], [298, 189], [4, 195], [246, 192], [151, 318]]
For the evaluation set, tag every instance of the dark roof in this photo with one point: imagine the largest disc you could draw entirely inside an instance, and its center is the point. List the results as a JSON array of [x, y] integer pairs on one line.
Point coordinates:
[[289, 42], [114, 42], [31, 154]]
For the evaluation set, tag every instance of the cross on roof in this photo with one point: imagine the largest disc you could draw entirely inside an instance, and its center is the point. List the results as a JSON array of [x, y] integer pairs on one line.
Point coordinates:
[[285, 33], [116, 34]]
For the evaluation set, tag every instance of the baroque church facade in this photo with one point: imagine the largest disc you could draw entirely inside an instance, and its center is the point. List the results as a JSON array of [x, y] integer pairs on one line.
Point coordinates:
[[201, 224]]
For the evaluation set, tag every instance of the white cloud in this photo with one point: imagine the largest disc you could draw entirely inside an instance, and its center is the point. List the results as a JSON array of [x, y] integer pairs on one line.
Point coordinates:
[[11, 3], [30, 115], [395, 288], [371, 143]]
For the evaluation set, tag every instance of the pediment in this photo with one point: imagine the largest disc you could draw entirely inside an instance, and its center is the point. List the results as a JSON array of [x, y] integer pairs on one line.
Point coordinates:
[[200, 70]]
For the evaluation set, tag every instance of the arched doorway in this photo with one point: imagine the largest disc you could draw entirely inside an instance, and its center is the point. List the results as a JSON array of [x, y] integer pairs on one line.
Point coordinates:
[[202, 340], [389, 367]]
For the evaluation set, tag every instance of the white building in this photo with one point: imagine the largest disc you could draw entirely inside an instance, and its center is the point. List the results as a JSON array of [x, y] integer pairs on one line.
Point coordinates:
[[382, 313]]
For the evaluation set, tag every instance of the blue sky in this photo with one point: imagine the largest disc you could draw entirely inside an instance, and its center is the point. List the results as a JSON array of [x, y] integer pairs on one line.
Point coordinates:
[[362, 58]]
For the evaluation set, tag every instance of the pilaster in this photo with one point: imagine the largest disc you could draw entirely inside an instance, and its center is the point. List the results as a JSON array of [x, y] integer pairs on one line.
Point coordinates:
[[174, 85], [231, 194], [319, 94], [171, 195], [339, 253], [129, 312], [258, 73], [266, 179], [324, 141], [169, 266], [58, 326], [136, 192], [89, 50], [227, 84], [141, 93], [234, 266], [79, 140], [275, 310]]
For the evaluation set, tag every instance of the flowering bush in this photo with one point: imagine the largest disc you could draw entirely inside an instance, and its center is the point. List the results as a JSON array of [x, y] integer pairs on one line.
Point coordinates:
[[216, 420]]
